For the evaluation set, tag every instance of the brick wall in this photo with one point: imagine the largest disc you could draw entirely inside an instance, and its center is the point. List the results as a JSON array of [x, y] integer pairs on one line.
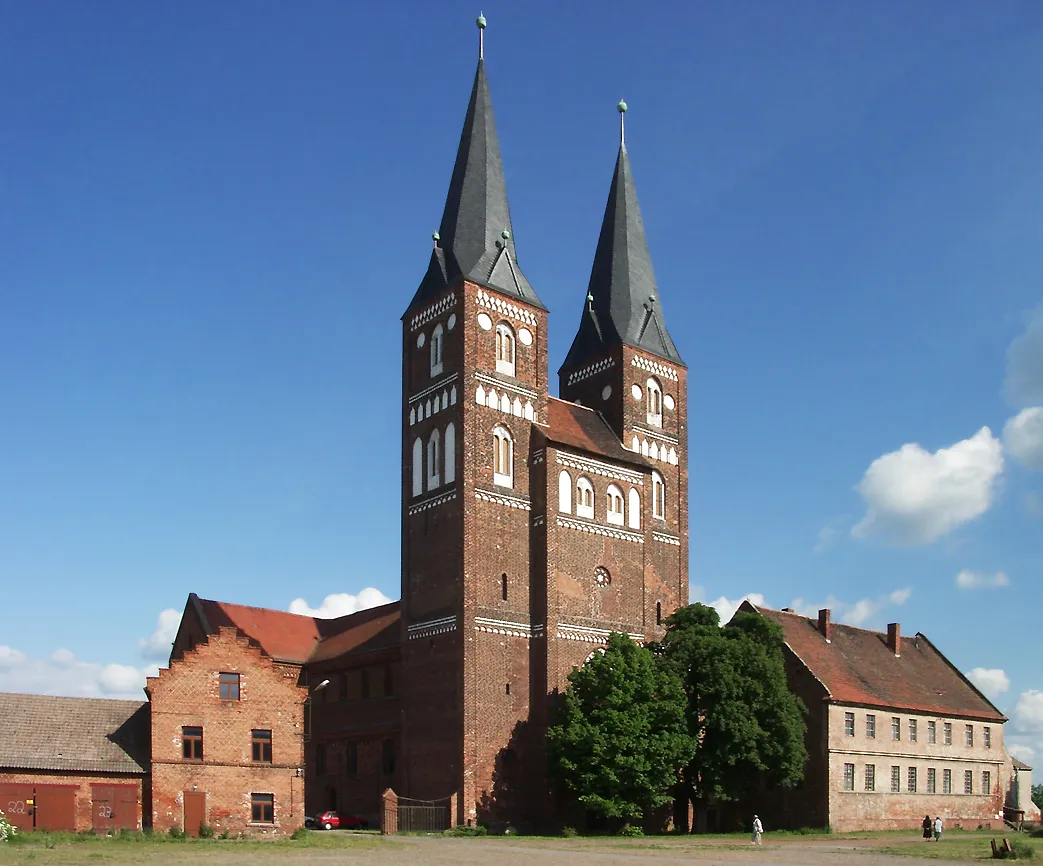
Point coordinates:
[[187, 694]]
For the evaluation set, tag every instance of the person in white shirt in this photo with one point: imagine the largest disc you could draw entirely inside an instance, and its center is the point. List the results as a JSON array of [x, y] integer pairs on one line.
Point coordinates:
[[938, 829], [758, 829]]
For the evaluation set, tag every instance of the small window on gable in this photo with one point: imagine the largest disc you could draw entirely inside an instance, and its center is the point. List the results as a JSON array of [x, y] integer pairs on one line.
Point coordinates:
[[434, 459], [437, 337], [585, 498], [614, 512], [565, 492], [504, 349], [229, 687], [634, 509], [658, 496], [654, 404], [503, 457]]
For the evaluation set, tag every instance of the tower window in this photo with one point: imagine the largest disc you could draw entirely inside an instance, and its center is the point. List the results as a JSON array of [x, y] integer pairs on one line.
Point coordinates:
[[418, 467], [654, 402], [437, 347], [634, 509], [503, 586], [614, 512], [450, 453], [602, 577], [434, 459], [658, 496], [565, 492], [585, 498], [503, 457], [504, 349], [658, 613]]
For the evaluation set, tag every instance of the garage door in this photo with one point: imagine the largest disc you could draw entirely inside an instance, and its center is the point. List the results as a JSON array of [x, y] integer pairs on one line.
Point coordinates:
[[114, 807], [16, 802], [55, 807]]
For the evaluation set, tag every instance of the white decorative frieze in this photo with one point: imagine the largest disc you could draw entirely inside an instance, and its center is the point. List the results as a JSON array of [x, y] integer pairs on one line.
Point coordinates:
[[506, 628], [435, 310], [431, 627], [440, 385], [586, 634], [502, 499], [505, 386], [504, 307], [650, 366], [596, 529], [591, 370], [433, 502], [666, 539], [586, 464]]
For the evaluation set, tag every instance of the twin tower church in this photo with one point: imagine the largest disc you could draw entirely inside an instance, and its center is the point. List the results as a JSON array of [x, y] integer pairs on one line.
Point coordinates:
[[532, 525]]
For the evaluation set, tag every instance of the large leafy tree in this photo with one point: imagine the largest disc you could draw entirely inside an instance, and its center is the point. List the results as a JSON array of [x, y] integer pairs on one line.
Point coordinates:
[[1037, 795], [746, 724], [620, 737]]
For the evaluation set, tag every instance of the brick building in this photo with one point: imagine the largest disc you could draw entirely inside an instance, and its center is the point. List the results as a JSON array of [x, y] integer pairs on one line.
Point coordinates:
[[895, 732], [74, 763]]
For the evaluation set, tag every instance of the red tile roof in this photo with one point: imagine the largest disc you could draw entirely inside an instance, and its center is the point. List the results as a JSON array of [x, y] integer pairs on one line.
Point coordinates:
[[858, 667], [373, 629], [585, 429]]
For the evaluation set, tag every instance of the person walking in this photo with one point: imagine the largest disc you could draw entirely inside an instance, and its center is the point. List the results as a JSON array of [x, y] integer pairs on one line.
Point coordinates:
[[758, 829], [938, 828], [927, 827]]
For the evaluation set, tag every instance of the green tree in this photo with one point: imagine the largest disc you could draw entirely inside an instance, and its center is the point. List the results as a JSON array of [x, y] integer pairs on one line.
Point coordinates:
[[620, 737], [1037, 795], [746, 723]]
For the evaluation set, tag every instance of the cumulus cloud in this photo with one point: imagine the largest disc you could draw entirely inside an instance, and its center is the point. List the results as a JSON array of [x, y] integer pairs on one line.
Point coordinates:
[[158, 644], [968, 579], [726, 607], [62, 673], [1023, 437], [340, 604], [992, 681], [1023, 383], [826, 536], [855, 613], [1028, 714], [1020, 750], [914, 496]]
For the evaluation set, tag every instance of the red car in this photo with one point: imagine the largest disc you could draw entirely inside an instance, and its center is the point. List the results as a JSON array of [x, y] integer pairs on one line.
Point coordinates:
[[331, 820]]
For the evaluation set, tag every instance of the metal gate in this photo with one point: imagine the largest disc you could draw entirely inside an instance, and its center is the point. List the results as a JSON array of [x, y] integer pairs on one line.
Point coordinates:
[[419, 816], [16, 802]]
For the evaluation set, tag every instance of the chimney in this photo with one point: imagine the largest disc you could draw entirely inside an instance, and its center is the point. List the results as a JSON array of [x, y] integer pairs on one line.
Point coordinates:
[[824, 625], [894, 638]]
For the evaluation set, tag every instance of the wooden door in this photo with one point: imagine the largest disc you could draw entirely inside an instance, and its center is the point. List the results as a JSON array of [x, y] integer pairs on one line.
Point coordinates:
[[56, 807], [195, 811], [127, 807], [103, 808], [16, 802]]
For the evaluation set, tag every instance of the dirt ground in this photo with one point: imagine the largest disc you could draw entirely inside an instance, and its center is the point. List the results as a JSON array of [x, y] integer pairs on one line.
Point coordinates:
[[422, 851]]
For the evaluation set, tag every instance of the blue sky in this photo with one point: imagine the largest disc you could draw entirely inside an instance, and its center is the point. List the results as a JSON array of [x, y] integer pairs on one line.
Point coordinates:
[[213, 216]]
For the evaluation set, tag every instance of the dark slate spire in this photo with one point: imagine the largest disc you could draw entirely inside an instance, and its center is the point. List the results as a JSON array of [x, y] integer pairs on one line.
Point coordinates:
[[476, 240], [622, 303]]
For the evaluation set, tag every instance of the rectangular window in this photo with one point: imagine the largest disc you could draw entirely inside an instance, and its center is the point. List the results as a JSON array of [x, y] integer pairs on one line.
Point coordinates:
[[261, 746], [932, 780], [192, 743], [986, 735], [870, 777], [968, 781], [262, 808], [351, 759], [932, 732], [911, 781], [896, 728], [986, 782], [388, 757], [364, 689], [968, 736], [947, 733], [870, 726], [912, 730], [849, 777], [946, 781], [229, 687], [849, 724], [896, 780]]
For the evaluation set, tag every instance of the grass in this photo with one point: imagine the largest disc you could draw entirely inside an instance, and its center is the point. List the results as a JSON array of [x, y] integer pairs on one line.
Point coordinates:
[[967, 845]]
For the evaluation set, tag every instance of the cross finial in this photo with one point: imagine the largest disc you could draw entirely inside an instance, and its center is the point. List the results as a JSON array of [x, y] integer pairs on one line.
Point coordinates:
[[481, 35], [622, 109]]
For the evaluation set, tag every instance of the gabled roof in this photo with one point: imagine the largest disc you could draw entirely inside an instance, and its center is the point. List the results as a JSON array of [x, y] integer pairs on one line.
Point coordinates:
[[858, 667], [41, 732], [1020, 765], [366, 631], [585, 429], [471, 241], [622, 304]]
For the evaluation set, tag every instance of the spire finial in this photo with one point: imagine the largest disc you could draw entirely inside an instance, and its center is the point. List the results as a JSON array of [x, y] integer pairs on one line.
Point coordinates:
[[481, 35], [622, 109]]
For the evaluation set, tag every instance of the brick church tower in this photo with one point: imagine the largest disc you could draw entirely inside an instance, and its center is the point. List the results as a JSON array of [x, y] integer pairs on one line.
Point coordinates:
[[532, 527]]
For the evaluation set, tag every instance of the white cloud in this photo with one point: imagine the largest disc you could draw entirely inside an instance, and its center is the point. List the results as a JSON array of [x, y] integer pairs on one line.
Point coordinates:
[[826, 536], [1020, 750], [855, 613], [916, 496], [1023, 437], [1028, 714], [340, 604], [968, 579], [726, 607], [62, 673], [992, 681], [158, 644], [1023, 384]]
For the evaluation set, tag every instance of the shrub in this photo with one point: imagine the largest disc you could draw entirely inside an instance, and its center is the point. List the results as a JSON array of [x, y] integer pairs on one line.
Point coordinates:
[[569, 832], [6, 830], [225, 834], [176, 833], [206, 831], [631, 830], [1022, 850], [462, 830], [299, 833]]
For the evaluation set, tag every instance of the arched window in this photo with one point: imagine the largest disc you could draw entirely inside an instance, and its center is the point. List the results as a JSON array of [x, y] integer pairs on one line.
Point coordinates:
[[450, 453], [418, 467], [565, 492], [503, 586], [503, 457], [658, 496], [436, 349], [434, 460], [585, 498], [654, 402], [614, 511], [634, 509], [504, 349]]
